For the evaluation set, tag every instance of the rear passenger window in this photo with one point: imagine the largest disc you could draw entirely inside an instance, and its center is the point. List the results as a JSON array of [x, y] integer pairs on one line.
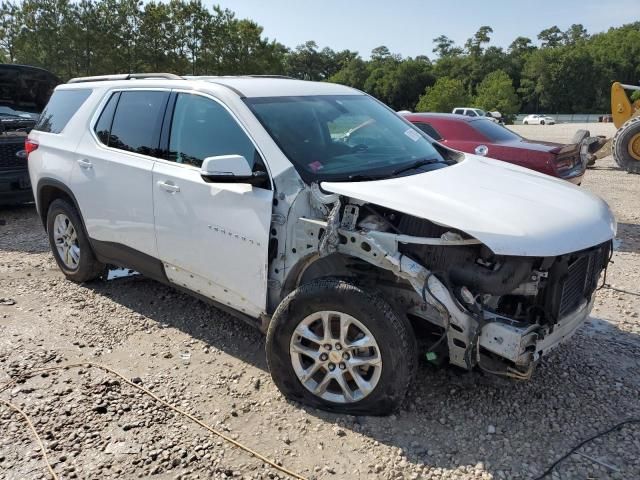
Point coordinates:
[[137, 121], [203, 128], [62, 105], [429, 130], [103, 126]]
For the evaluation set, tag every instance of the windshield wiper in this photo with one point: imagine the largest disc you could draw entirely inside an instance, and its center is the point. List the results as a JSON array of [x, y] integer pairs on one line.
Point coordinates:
[[416, 164], [358, 177], [13, 115]]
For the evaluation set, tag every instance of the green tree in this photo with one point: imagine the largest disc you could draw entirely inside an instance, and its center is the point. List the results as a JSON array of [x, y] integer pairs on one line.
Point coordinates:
[[446, 94], [496, 92], [10, 22], [445, 47], [551, 37]]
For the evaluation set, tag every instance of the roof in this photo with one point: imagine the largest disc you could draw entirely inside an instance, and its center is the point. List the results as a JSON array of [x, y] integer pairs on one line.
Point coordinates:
[[266, 86], [244, 86]]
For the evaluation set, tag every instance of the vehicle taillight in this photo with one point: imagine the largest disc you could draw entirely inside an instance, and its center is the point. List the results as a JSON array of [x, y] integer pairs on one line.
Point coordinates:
[[30, 146]]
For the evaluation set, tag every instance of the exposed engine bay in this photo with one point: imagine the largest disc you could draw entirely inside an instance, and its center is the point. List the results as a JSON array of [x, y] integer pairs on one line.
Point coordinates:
[[496, 312]]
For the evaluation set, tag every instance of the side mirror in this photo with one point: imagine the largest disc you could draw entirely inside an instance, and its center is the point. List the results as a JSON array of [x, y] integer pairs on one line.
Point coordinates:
[[230, 169]]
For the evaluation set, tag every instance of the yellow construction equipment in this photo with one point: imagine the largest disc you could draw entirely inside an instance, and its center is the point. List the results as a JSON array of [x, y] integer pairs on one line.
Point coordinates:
[[625, 145]]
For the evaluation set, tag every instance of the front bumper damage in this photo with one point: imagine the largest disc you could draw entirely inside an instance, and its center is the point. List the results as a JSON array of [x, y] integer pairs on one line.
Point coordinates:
[[496, 343], [524, 345]]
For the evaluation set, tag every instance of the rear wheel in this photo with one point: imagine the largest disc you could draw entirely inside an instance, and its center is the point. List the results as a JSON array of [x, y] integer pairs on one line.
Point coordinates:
[[541, 122], [70, 245], [626, 146], [335, 346]]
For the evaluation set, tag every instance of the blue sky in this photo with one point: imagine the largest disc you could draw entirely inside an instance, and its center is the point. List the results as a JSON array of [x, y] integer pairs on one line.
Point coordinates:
[[408, 26]]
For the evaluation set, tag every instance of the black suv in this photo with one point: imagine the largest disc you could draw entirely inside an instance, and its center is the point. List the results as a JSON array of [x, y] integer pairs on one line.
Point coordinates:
[[24, 92]]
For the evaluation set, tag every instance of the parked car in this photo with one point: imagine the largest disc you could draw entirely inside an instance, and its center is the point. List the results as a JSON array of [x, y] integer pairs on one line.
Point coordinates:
[[316, 213], [24, 91], [475, 112], [487, 139], [536, 119]]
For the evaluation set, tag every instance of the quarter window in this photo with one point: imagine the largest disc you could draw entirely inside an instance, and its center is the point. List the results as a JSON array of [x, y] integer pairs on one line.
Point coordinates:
[[137, 121], [203, 128], [61, 107], [103, 126]]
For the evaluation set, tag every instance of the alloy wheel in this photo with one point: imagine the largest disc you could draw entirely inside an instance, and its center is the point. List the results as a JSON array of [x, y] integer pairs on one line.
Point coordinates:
[[335, 357], [66, 241]]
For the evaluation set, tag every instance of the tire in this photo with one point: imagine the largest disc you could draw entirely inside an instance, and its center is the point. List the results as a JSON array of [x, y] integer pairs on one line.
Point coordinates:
[[525, 123], [81, 265], [394, 338], [621, 145], [541, 122]]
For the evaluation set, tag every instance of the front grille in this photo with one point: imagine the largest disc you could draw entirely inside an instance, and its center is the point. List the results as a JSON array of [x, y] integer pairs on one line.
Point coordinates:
[[574, 278], [8, 159]]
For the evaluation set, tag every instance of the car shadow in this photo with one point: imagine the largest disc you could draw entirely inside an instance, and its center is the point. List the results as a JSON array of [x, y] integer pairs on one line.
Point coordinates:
[[450, 418], [628, 238]]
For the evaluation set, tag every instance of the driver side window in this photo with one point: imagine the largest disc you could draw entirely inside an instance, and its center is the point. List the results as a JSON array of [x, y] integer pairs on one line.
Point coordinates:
[[202, 128]]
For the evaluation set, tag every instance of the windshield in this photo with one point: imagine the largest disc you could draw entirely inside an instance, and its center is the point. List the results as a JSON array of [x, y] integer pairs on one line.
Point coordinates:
[[493, 131], [343, 137], [9, 112]]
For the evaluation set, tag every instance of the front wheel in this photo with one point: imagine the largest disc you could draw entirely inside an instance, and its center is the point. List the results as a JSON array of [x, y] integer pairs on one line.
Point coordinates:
[[525, 123], [335, 346], [541, 122], [70, 245]]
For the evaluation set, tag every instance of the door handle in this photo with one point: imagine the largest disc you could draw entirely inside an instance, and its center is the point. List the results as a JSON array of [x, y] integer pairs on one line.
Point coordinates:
[[84, 163], [169, 187]]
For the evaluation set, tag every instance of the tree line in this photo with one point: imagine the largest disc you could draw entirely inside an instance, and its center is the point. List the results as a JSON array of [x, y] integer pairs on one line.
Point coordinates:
[[562, 72]]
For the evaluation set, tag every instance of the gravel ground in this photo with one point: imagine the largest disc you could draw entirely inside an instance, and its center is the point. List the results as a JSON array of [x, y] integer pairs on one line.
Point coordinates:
[[453, 424]]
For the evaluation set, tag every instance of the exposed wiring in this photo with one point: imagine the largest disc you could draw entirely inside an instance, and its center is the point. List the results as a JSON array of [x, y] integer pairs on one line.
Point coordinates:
[[584, 442], [609, 287], [606, 267], [147, 392]]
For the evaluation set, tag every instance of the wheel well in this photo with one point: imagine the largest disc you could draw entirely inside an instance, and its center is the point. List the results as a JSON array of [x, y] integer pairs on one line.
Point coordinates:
[[46, 195], [332, 266]]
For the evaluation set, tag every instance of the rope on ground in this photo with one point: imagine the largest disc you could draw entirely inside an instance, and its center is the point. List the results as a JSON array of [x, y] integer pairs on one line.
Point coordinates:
[[226, 438], [617, 426], [35, 433]]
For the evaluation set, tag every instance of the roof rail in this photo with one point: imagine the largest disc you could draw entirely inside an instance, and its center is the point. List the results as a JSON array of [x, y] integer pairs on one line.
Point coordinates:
[[272, 76], [125, 76]]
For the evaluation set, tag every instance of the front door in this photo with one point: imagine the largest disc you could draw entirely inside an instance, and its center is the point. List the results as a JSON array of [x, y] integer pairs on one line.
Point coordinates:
[[212, 237]]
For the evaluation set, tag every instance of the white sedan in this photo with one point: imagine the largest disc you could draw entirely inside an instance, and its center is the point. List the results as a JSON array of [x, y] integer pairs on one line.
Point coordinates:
[[538, 120]]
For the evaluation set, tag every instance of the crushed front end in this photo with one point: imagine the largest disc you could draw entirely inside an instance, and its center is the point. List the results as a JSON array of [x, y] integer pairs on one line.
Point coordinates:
[[497, 312]]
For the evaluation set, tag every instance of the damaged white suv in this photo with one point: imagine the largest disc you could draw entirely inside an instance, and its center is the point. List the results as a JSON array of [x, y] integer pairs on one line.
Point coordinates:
[[316, 213]]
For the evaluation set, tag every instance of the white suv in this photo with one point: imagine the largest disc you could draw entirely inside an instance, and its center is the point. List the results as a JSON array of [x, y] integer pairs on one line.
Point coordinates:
[[475, 112], [317, 214]]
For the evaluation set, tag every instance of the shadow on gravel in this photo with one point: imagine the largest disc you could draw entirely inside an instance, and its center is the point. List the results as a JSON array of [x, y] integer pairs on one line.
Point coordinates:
[[628, 238], [21, 230], [171, 308], [454, 419]]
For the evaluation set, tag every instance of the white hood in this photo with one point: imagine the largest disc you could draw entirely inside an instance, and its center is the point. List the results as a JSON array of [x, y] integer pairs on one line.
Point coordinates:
[[512, 210]]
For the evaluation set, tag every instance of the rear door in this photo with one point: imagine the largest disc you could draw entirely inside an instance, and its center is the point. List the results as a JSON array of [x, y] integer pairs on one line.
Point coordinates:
[[212, 237], [112, 175]]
